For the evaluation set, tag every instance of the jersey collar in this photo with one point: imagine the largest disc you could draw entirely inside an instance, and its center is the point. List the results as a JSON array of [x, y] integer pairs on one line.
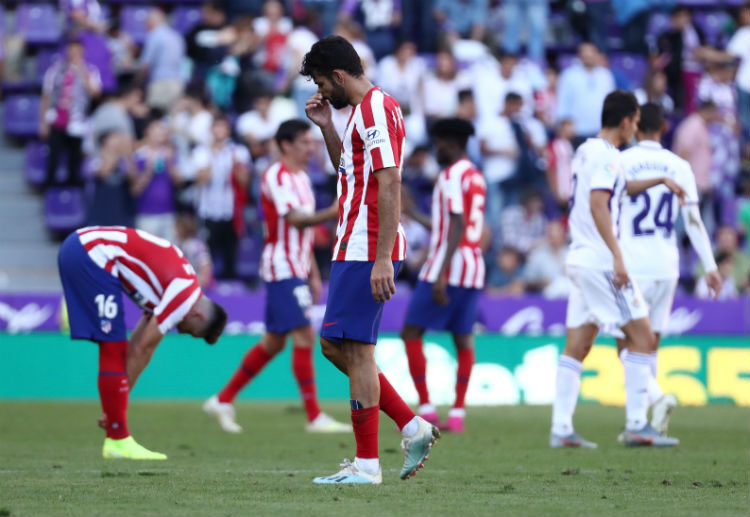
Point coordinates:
[[650, 144]]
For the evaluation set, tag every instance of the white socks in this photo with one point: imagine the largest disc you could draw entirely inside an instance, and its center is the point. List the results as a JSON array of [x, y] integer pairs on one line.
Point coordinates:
[[369, 465], [654, 390], [566, 395], [411, 428], [637, 373]]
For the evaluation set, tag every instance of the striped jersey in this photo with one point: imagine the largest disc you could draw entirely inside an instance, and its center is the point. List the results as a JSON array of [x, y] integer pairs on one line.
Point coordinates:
[[374, 139], [460, 189], [286, 249], [153, 272]]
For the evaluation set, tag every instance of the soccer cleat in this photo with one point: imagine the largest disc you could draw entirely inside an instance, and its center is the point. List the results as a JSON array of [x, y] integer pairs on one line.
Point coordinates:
[[416, 448], [649, 437], [454, 424], [660, 412], [572, 440], [128, 449], [326, 424], [224, 413], [351, 474]]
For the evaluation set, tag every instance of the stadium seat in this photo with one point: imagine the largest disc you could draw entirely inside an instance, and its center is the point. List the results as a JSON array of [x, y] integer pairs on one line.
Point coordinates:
[[184, 18], [44, 59], [633, 66], [36, 162], [658, 23], [713, 23], [22, 115], [64, 209], [248, 257], [133, 21], [38, 23]]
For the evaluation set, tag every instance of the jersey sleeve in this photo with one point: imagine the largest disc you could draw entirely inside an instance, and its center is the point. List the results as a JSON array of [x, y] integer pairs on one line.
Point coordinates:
[[453, 191], [686, 179], [281, 192], [178, 298], [383, 131], [605, 171]]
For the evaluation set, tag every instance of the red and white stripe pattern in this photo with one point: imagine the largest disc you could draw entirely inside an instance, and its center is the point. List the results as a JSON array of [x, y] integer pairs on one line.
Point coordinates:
[[460, 189], [152, 271], [286, 249], [374, 139]]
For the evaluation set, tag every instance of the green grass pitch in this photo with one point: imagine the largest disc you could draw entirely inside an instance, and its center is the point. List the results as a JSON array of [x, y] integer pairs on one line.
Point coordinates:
[[50, 464]]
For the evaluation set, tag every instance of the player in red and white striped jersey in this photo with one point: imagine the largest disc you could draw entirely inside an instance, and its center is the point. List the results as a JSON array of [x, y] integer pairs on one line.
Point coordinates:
[[96, 265], [447, 294], [368, 251], [287, 267]]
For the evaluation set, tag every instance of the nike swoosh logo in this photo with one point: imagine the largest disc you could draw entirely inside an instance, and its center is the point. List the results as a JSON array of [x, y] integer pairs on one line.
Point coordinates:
[[329, 324]]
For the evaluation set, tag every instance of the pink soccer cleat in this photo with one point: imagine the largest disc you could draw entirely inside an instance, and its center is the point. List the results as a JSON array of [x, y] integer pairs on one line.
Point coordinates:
[[454, 424]]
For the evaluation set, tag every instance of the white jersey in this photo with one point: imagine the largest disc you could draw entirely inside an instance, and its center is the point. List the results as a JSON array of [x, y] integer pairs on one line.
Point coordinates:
[[596, 166], [647, 237]]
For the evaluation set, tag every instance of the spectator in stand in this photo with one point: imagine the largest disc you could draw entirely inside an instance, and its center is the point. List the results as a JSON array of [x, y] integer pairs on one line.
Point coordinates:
[[462, 19], [112, 203], [155, 180], [258, 126], [86, 19], [581, 91], [654, 89], [544, 271], [222, 175], [743, 212], [196, 251], [439, 91], [738, 47], [272, 29], [191, 122], [467, 110], [523, 225], [114, 115], [353, 33], [380, 18], [400, 74], [300, 40], [123, 50], [69, 85], [545, 99], [161, 62], [208, 42], [493, 80], [728, 291], [531, 14], [632, 16], [727, 241], [506, 274], [559, 164]]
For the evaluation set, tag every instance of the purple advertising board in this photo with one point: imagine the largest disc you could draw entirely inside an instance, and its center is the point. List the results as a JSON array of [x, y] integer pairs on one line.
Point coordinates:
[[533, 315]]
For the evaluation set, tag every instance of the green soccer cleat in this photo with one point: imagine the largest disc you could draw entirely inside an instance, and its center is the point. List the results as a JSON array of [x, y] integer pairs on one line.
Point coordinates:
[[417, 448], [128, 449]]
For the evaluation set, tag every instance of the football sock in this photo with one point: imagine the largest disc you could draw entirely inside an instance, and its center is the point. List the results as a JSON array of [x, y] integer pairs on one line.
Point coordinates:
[[302, 365], [113, 387], [365, 424], [253, 362], [566, 394], [637, 372], [418, 368], [654, 390], [393, 405], [465, 364]]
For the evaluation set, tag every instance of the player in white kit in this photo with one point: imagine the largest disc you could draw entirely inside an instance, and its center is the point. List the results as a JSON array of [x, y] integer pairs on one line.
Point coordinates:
[[602, 292], [649, 243]]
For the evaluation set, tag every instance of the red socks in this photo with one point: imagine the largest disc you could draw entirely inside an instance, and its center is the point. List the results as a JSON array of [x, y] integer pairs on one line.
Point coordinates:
[[393, 405], [365, 423], [113, 387], [302, 365], [253, 362], [465, 363], [418, 368]]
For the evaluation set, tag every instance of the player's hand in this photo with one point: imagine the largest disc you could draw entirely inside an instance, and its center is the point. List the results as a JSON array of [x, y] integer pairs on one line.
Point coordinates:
[[318, 110], [714, 283], [676, 189], [102, 422], [439, 292], [381, 280], [621, 278]]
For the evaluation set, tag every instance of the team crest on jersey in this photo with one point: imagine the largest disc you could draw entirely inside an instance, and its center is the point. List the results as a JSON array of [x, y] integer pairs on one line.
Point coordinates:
[[106, 326]]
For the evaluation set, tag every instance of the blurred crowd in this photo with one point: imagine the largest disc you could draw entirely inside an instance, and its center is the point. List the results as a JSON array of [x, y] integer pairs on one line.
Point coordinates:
[[172, 133]]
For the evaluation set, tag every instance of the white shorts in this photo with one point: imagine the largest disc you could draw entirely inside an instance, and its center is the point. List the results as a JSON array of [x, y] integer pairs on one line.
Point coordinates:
[[659, 295], [594, 299]]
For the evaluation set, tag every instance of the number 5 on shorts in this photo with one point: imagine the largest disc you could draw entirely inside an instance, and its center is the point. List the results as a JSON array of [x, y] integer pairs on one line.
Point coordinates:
[[107, 306]]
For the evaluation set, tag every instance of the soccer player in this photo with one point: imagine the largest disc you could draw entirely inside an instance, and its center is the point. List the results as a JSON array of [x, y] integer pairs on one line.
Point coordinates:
[[368, 250], [287, 267], [601, 290], [447, 294], [648, 221], [96, 265]]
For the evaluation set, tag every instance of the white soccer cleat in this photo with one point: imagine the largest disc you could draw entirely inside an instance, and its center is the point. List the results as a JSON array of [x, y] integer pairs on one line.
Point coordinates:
[[660, 412], [224, 413], [324, 423], [351, 474]]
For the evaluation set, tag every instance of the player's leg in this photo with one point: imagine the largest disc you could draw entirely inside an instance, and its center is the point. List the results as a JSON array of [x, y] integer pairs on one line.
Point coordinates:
[[412, 336], [113, 387], [465, 352]]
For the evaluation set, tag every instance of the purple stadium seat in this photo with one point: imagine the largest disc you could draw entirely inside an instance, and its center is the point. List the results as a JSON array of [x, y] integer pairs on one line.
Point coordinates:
[[184, 18], [633, 66], [712, 23], [64, 209], [22, 115], [44, 60], [39, 23], [248, 257], [36, 162], [133, 21]]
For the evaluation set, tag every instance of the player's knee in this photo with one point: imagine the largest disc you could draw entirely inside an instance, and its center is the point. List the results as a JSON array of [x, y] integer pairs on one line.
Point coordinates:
[[463, 341], [329, 349], [273, 343], [409, 332]]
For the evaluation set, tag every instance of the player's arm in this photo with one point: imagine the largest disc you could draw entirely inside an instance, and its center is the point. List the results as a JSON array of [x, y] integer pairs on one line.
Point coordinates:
[[301, 220], [314, 281], [389, 211], [634, 187], [141, 345], [319, 111], [599, 201], [698, 236], [456, 226]]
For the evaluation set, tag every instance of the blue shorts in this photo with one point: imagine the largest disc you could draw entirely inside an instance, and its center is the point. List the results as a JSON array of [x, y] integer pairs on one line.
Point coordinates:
[[458, 316], [93, 296], [288, 305], [351, 312]]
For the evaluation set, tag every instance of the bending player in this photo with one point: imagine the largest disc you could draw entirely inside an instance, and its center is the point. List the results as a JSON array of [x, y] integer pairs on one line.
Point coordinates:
[[447, 294], [287, 267], [648, 222], [96, 265], [367, 253], [602, 293]]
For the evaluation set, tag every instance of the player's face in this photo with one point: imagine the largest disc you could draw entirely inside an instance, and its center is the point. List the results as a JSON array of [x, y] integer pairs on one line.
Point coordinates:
[[332, 91], [443, 152], [302, 148], [630, 126]]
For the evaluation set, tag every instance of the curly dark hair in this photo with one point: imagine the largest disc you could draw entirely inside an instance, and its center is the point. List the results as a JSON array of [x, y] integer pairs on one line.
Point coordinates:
[[329, 54]]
